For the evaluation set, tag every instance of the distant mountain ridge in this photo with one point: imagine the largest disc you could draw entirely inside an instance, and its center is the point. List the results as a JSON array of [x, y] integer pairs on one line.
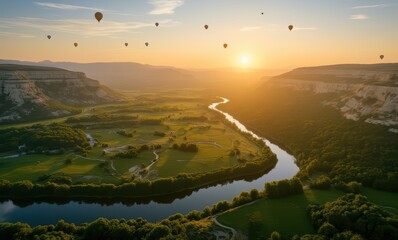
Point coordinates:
[[41, 92], [366, 92], [126, 75]]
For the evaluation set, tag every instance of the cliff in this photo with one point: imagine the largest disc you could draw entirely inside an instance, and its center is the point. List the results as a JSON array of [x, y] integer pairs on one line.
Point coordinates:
[[360, 92], [30, 91]]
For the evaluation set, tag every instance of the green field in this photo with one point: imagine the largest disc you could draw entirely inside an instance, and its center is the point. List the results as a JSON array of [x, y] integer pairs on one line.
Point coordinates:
[[288, 215], [177, 113]]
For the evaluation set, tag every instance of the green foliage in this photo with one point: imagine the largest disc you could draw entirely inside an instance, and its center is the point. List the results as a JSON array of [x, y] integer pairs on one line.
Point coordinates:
[[322, 182], [43, 138], [186, 147], [322, 140], [283, 188], [354, 213], [124, 133]]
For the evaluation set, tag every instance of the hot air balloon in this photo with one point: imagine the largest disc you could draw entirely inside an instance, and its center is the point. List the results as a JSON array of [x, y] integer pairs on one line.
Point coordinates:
[[49, 36], [225, 45], [290, 27], [126, 44], [146, 44], [76, 44], [206, 27], [381, 57], [157, 24], [262, 13], [98, 16]]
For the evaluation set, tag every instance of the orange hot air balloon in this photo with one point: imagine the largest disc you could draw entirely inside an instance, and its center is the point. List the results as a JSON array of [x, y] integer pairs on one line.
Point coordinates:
[[98, 16], [381, 57], [76, 44], [225, 45], [146, 44], [206, 27], [290, 27], [157, 24], [126, 44], [49, 36]]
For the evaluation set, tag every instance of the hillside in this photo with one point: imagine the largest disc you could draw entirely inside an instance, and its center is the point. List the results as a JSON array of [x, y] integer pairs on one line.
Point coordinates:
[[133, 76], [361, 92], [44, 92], [126, 75]]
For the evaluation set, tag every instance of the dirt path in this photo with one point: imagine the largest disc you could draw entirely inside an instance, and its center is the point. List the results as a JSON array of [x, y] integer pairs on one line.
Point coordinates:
[[234, 232], [210, 143], [153, 161]]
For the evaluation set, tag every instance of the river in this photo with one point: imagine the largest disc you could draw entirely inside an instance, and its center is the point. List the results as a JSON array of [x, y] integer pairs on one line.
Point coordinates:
[[40, 213]]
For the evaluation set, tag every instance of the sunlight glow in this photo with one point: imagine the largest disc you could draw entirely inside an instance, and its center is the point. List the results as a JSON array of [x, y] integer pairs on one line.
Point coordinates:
[[244, 60]]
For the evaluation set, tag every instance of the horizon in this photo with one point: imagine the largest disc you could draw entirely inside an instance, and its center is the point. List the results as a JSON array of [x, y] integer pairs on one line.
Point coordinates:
[[324, 34]]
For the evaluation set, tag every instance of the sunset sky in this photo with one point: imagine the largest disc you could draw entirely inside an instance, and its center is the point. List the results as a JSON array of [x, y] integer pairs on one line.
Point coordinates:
[[326, 32]]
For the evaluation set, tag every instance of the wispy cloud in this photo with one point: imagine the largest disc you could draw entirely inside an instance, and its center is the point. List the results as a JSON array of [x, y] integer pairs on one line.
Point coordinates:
[[15, 34], [66, 6], [246, 29], [82, 27], [359, 17], [165, 6], [372, 6]]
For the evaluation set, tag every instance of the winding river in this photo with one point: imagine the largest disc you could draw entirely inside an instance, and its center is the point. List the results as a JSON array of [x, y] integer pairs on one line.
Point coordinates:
[[47, 212]]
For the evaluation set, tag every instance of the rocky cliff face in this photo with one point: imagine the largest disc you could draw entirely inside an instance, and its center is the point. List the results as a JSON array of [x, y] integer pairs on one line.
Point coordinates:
[[48, 92], [360, 92]]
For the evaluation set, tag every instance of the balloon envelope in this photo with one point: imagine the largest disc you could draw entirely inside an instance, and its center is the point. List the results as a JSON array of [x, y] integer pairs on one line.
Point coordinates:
[[98, 16], [225, 45], [49, 36], [206, 26], [126, 44], [146, 44], [75, 44], [290, 27], [381, 57], [156, 24]]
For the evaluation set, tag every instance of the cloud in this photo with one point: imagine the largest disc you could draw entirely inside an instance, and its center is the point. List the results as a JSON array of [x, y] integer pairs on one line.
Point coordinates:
[[15, 34], [66, 6], [359, 17], [371, 6], [165, 6], [83, 27], [246, 29]]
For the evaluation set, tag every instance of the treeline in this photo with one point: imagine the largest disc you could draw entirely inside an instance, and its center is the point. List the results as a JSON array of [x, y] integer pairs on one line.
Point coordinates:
[[194, 118], [41, 138], [124, 133], [96, 118], [283, 188], [186, 147], [321, 139], [176, 226], [139, 188]]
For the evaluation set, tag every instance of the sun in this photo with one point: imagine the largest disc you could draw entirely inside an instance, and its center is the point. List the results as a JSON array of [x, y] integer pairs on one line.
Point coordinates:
[[244, 60]]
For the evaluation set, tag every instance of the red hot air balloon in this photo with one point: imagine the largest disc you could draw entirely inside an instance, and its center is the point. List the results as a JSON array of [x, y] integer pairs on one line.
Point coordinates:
[[76, 44], [206, 27], [225, 45], [290, 27], [99, 16], [381, 57], [49, 36]]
